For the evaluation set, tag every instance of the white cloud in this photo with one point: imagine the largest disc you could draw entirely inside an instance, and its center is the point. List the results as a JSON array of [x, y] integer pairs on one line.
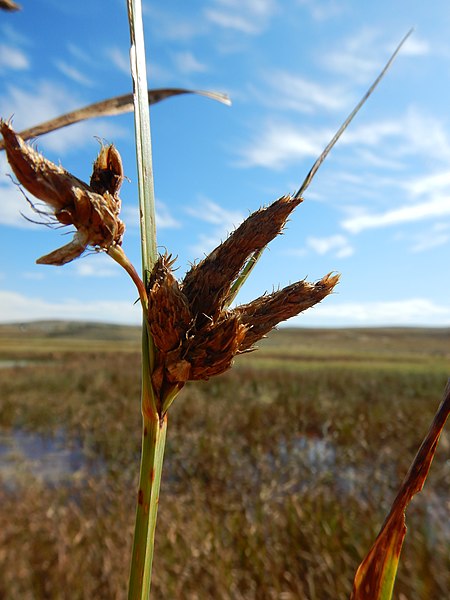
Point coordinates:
[[406, 312], [293, 92], [337, 243], [164, 218], [429, 184], [171, 26], [224, 221], [415, 46], [13, 58], [429, 242], [186, 63], [438, 206], [430, 238], [18, 308], [358, 57], [79, 53], [277, 144], [414, 134], [73, 73], [49, 100], [321, 10], [245, 16], [119, 58], [98, 264]]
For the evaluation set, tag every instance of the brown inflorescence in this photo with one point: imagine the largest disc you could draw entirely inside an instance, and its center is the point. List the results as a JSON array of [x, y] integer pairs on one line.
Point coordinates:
[[93, 209], [195, 333]]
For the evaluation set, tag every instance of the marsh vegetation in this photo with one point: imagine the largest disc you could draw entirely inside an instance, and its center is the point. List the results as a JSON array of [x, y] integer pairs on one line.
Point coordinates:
[[277, 478]]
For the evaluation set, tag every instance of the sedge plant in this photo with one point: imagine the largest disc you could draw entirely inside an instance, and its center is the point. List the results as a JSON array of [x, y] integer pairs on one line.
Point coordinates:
[[190, 330]]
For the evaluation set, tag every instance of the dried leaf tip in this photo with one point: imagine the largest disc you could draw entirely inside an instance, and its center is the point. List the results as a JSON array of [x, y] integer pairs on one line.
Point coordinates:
[[92, 209], [9, 5]]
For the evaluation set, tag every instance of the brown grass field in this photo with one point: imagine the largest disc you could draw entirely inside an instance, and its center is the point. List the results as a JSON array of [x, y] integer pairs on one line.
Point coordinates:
[[277, 475]]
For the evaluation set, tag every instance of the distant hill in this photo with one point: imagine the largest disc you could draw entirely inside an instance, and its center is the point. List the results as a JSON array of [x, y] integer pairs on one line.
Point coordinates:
[[70, 329], [383, 346]]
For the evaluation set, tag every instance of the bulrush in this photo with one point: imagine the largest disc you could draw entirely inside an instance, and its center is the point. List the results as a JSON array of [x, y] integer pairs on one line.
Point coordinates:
[[195, 333], [93, 209]]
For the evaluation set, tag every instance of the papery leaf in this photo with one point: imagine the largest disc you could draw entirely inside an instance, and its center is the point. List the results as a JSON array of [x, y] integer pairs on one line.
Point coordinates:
[[375, 577], [110, 107]]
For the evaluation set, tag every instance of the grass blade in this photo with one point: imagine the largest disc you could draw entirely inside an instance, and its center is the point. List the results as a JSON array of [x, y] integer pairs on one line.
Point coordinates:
[[375, 577], [348, 120], [110, 107]]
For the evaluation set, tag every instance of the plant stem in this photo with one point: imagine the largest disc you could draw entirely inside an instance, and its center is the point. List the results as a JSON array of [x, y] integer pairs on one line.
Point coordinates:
[[153, 442], [143, 139], [153, 426]]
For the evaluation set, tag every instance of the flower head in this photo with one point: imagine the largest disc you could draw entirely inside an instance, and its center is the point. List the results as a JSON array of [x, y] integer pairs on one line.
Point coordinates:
[[195, 332], [92, 209]]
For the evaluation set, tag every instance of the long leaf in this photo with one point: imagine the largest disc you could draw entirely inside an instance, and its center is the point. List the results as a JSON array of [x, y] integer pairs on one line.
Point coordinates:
[[110, 107], [375, 577], [349, 119]]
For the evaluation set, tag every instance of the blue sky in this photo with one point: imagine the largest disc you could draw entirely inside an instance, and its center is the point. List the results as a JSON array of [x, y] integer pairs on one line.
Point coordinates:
[[378, 211]]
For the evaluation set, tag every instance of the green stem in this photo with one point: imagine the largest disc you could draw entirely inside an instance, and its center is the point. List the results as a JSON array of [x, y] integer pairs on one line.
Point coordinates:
[[154, 425], [153, 442]]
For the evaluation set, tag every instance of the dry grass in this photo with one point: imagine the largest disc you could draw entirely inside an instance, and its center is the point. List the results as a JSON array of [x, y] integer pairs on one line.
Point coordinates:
[[277, 501]]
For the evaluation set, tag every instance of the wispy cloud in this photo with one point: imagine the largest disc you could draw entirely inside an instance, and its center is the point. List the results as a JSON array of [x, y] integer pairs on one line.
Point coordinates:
[[337, 244], [406, 312], [15, 306], [436, 236], [360, 57], [287, 91], [73, 73], [50, 100], [95, 265], [171, 26], [249, 17], [224, 222], [322, 10], [414, 133], [187, 63], [12, 58], [276, 145], [119, 59], [438, 206], [164, 217]]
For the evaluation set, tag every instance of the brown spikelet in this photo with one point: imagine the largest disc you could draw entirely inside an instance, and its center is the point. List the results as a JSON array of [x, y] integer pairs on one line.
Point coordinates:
[[192, 343], [207, 285], [264, 313], [93, 210], [215, 347], [107, 173], [169, 316]]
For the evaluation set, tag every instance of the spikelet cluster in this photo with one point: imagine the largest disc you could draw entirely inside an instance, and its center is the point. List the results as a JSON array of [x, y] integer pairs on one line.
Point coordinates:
[[196, 333], [92, 209]]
